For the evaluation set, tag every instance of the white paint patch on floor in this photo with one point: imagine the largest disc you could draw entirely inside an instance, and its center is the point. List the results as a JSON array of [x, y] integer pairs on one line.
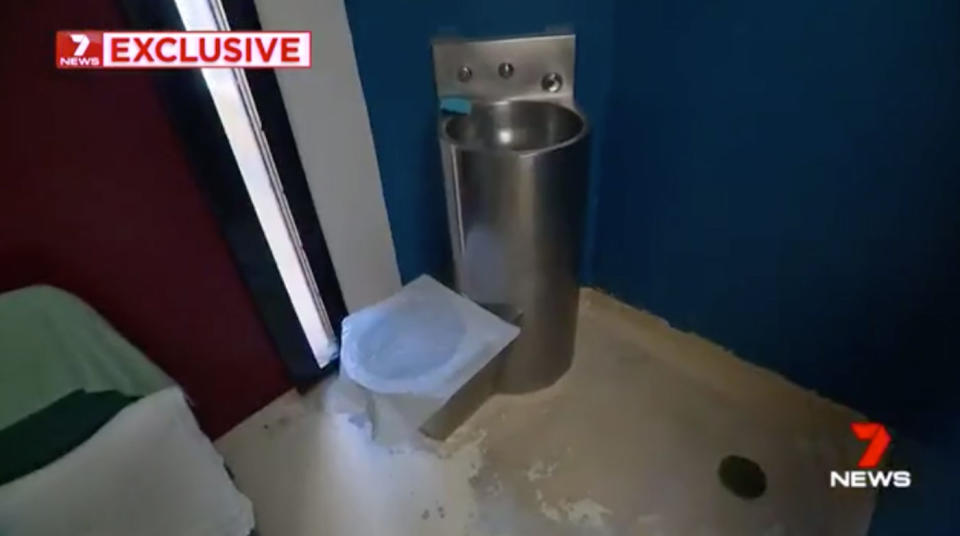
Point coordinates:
[[540, 470], [627, 443]]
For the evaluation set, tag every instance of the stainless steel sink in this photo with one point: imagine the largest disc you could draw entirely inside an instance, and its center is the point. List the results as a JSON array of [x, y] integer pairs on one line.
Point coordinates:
[[514, 126], [515, 173]]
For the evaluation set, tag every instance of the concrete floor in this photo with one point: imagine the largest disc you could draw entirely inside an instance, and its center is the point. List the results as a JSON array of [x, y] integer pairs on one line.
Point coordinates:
[[627, 443]]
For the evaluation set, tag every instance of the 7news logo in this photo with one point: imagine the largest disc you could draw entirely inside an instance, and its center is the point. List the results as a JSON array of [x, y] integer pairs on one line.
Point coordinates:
[[867, 476], [79, 50]]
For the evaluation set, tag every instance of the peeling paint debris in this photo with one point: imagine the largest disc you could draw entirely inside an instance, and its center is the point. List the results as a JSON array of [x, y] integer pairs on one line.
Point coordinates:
[[550, 512], [540, 470], [586, 512]]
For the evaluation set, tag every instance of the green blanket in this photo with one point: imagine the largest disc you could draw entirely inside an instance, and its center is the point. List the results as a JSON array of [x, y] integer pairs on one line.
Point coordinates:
[[52, 344]]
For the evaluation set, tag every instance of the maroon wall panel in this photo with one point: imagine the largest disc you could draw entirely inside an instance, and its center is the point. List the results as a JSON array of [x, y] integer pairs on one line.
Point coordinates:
[[96, 197]]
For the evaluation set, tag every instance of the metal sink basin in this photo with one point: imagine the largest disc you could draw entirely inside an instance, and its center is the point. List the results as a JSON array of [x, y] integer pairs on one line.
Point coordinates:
[[517, 126]]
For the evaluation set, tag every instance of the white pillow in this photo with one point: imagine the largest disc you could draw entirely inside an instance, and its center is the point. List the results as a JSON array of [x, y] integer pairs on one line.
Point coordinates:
[[149, 471]]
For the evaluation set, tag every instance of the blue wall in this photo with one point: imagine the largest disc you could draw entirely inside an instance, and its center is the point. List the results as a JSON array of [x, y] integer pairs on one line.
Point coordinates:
[[392, 45], [784, 179], [929, 507]]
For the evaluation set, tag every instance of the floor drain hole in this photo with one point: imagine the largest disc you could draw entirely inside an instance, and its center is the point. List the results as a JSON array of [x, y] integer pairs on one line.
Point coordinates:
[[742, 476]]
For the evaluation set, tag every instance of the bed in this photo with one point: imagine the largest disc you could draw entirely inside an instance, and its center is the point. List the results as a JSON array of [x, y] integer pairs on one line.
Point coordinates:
[[94, 438]]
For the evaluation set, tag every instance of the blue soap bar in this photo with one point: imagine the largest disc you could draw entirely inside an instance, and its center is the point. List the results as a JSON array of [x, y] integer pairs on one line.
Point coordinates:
[[455, 105]]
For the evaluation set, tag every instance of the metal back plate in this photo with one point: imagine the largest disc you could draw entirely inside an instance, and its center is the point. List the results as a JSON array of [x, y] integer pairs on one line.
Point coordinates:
[[531, 59]]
